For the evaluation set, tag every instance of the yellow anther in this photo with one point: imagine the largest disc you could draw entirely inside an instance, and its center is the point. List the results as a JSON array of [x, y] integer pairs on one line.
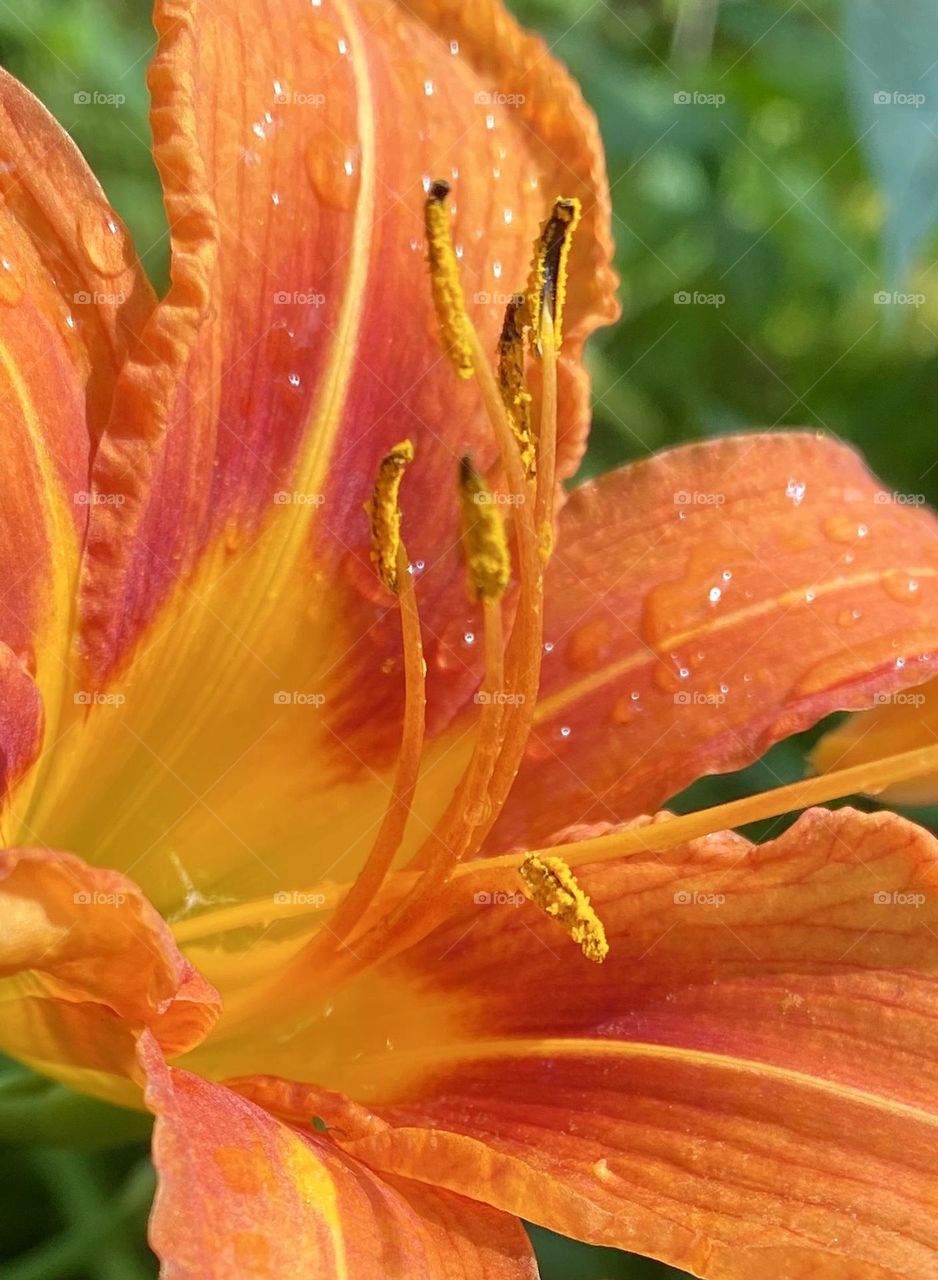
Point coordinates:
[[547, 283], [448, 297], [552, 886], [384, 513], [512, 383], [484, 540]]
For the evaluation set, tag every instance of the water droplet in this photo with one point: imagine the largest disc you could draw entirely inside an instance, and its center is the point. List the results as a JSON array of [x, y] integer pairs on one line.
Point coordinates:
[[714, 595], [102, 239], [428, 88], [848, 617], [416, 567], [565, 731], [333, 171], [469, 639], [548, 646], [11, 289], [497, 270], [625, 708], [589, 644], [275, 197], [795, 491], [900, 586], [844, 530], [490, 122], [454, 47]]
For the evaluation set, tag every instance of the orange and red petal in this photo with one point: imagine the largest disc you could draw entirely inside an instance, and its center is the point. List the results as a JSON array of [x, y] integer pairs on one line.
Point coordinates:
[[242, 1195], [86, 965], [297, 341], [708, 602], [900, 721], [69, 291], [747, 1086]]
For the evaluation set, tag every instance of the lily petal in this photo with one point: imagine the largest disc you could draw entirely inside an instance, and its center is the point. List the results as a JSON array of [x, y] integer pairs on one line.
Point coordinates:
[[242, 1195], [747, 1086], [86, 965], [898, 722], [71, 295], [705, 604], [296, 341]]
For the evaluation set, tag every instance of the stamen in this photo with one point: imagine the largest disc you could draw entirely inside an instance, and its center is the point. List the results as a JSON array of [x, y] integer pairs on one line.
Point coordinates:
[[396, 815], [552, 886], [547, 285], [384, 513], [866, 778], [512, 382], [483, 532], [448, 297]]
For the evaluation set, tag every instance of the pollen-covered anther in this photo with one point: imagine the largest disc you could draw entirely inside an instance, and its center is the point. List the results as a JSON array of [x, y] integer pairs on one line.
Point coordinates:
[[547, 284], [448, 298], [484, 539], [512, 382], [552, 886], [384, 513]]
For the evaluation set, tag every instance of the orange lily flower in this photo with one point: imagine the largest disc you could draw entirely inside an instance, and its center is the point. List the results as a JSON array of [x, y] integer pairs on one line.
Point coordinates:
[[294, 832]]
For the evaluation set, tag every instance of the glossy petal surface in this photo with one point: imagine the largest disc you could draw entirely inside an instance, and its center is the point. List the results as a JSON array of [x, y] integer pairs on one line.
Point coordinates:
[[243, 1196], [705, 604], [746, 1087], [228, 597], [86, 965]]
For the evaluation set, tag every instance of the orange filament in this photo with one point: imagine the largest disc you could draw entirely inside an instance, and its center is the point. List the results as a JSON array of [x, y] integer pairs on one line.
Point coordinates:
[[867, 778], [500, 872], [391, 832]]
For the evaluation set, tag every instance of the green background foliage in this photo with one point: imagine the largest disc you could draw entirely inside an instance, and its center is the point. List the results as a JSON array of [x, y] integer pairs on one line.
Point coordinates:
[[796, 199]]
